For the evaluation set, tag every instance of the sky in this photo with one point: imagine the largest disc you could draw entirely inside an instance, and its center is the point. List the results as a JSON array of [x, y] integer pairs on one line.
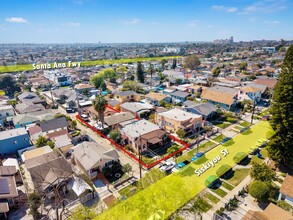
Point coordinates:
[[123, 21]]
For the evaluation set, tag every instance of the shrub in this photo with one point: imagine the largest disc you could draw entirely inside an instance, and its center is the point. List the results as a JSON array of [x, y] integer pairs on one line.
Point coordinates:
[[259, 190]]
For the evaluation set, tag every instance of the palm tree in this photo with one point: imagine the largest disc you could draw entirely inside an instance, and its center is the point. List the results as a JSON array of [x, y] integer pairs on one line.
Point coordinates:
[[100, 106], [151, 71]]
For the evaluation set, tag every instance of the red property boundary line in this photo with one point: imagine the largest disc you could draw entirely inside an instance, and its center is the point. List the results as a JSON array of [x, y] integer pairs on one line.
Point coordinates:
[[147, 166]]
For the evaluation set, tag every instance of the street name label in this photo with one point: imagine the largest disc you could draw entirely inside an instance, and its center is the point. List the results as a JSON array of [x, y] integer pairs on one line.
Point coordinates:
[[211, 163], [55, 65]]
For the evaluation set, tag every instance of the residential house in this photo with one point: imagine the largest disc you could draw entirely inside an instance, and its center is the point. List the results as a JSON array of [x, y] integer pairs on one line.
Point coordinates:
[[65, 96], [62, 142], [13, 140], [48, 173], [8, 190], [137, 109], [143, 134], [23, 108], [58, 78], [269, 82], [37, 156], [155, 98], [206, 110], [179, 97], [81, 87], [271, 212], [114, 120], [126, 96], [30, 98], [5, 111], [194, 89], [176, 119], [286, 190], [23, 120], [113, 103], [167, 91], [224, 97], [53, 125], [249, 93], [93, 158]]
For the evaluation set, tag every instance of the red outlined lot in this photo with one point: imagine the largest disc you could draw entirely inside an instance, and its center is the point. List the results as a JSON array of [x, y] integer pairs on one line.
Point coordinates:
[[133, 156]]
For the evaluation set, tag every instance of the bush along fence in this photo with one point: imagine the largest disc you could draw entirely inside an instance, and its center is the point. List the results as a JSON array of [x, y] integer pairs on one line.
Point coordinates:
[[128, 153]]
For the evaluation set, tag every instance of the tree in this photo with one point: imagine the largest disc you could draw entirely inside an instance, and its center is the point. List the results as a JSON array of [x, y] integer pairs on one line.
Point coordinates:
[[96, 80], [281, 144], [41, 141], [8, 85], [191, 62], [259, 190], [127, 168], [181, 133], [122, 70], [173, 149], [243, 66], [114, 135], [262, 172], [83, 213], [140, 73], [174, 64], [216, 71], [163, 63], [178, 81], [200, 206], [85, 92], [108, 74], [35, 202], [103, 86], [100, 106], [151, 71], [131, 86]]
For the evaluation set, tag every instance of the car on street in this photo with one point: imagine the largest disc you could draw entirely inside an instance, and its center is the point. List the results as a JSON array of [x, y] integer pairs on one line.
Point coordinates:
[[166, 166], [196, 156]]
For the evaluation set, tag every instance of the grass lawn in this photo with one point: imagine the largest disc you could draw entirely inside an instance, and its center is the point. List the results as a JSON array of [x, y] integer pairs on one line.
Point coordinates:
[[227, 185], [211, 197], [256, 160], [127, 191], [222, 125], [238, 176], [219, 138], [245, 124], [173, 191], [219, 192], [17, 68], [202, 148], [238, 127], [264, 153], [265, 112]]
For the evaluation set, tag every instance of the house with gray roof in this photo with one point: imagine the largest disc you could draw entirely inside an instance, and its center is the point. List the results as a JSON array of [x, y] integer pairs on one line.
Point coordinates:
[[53, 125], [93, 158], [207, 110], [113, 121], [23, 108], [30, 98], [179, 96]]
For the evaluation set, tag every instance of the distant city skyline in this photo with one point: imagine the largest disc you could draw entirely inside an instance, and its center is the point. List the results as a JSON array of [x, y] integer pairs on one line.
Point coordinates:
[[143, 21]]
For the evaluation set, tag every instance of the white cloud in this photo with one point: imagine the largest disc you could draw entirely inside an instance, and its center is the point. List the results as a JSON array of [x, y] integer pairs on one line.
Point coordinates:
[[192, 23], [266, 6], [131, 21], [272, 22], [16, 20], [223, 8], [72, 24]]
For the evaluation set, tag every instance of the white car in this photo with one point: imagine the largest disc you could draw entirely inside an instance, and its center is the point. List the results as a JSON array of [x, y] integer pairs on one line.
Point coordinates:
[[168, 165]]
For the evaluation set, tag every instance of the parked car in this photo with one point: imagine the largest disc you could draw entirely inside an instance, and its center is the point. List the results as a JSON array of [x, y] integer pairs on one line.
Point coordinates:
[[74, 133], [196, 156], [167, 166]]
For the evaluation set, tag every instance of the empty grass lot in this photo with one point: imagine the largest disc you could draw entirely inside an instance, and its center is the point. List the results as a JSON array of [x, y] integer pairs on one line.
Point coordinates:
[[219, 192], [238, 176], [173, 191], [211, 197]]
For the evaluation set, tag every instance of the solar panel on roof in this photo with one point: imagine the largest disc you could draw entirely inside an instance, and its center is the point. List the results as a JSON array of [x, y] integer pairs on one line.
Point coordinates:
[[4, 188]]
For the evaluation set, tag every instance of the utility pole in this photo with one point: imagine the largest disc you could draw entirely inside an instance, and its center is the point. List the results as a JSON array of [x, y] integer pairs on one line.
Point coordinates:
[[139, 157]]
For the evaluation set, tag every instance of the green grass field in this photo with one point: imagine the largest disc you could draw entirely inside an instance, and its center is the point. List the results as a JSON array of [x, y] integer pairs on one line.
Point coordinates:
[[219, 138], [227, 185], [211, 198], [173, 191], [28, 67], [219, 192]]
